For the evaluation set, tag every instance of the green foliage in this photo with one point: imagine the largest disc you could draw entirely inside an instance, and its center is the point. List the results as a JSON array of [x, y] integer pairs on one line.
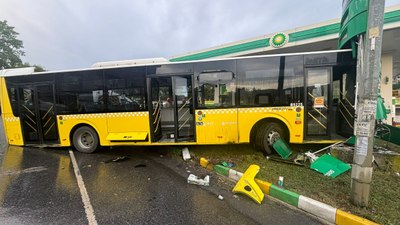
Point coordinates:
[[10, 47], [38, 68]]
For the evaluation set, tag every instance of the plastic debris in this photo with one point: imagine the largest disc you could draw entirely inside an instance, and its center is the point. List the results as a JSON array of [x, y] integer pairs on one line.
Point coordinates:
[[280, 182], [228, 164], [311, 156], [246, 185], [220, 197], [185, 154], [203, 162], [329, 166], [193, 179], [282, 148]]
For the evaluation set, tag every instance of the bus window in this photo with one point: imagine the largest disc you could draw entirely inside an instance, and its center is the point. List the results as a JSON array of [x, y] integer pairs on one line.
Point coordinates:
[[216, 89], [258, 81], [125, 89], [12, 93], [293, 81], [80, 92]]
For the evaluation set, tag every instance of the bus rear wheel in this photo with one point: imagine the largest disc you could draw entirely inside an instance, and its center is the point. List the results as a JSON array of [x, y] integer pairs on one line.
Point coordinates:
[[85, 139], [267, 134]]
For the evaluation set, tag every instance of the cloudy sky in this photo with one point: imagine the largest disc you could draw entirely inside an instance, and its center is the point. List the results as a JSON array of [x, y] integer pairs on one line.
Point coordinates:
[[66, 34]]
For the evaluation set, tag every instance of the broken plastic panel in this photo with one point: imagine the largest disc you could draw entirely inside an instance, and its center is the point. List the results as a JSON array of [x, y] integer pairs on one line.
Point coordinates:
[[330, 166], [282, 148]]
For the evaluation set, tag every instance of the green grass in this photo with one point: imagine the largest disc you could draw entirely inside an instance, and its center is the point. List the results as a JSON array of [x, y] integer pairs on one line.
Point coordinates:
[[384, 203]]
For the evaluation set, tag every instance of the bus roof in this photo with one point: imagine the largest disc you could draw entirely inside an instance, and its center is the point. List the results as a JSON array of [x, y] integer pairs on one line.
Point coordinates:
[[114, 64]]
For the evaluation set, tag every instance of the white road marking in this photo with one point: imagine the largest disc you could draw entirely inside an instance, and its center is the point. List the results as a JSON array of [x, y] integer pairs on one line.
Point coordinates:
[[28, 170], [85, 197]]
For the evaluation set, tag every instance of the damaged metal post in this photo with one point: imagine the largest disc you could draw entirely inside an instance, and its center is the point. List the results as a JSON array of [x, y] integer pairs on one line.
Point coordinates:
[[368, 69]]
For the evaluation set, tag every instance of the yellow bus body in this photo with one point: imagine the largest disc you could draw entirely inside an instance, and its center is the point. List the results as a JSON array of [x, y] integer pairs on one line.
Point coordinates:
[[213, 126]]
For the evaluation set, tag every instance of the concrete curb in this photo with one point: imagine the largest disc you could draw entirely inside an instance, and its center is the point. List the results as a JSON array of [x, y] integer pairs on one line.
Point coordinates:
[[316, 208]]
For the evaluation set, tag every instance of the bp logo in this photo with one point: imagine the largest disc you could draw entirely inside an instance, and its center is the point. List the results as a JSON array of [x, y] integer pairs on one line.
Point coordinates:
[[278, 40]]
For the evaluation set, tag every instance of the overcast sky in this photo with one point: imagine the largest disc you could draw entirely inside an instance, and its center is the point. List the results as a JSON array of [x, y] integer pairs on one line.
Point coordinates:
[[67, 34]]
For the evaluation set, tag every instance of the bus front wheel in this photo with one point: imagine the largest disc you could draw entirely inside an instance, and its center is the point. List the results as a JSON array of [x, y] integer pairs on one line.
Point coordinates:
[[267, 134], [85, 139]]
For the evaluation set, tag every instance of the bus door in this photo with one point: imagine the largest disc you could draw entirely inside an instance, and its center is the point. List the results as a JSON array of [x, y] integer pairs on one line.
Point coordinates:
[[38, 119], [317, 101], [171, 108]]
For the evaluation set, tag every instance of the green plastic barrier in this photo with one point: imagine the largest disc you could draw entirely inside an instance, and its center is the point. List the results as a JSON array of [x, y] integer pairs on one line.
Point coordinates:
[[330, 166], [282, 148]]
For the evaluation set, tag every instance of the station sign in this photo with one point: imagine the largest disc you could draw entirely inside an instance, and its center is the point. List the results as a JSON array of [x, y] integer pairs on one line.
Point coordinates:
[[353, 22]]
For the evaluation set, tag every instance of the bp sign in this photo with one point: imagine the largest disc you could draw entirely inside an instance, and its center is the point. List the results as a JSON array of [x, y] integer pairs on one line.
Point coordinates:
[[278, 40], [354, 21]]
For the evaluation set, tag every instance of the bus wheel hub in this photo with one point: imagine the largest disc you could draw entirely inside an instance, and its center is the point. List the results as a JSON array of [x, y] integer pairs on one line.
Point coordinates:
[[272, 137]]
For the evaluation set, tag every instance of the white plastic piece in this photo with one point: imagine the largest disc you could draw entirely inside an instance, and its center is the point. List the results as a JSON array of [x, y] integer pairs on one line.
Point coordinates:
[[220, 197], [235, 175], [193, 179], [280, 182], [311, 156], [185, 154], [317, 208]]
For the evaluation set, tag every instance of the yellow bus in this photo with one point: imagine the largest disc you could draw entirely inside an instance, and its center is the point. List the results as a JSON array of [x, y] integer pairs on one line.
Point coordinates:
[[301, 97]]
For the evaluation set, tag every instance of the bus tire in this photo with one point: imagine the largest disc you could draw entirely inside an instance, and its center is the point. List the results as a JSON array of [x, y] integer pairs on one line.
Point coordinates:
[[266, 132], [85, 139]]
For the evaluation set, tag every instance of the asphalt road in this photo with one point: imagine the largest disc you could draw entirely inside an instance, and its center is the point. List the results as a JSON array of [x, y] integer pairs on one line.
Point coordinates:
[[39, 186]]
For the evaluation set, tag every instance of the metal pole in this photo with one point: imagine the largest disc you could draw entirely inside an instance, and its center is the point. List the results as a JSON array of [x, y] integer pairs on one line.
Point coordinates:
[[369, 59]]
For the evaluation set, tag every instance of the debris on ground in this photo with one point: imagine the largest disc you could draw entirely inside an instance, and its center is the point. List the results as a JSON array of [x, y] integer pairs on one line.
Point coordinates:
[[246, 185], [193, 179], [118, 159], [294, 160], [329, 166], [203, 162], [280, 182], [185, 154], [228, 164], [206, 164], [220, 197], [384, 151], [282, 148]]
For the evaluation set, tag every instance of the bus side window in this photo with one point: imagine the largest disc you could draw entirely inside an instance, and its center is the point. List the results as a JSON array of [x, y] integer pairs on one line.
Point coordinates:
[[216, 89], [258, 81]]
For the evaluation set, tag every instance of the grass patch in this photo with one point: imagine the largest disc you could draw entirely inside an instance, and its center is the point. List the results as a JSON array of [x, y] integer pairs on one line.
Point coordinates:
[[384, 203]]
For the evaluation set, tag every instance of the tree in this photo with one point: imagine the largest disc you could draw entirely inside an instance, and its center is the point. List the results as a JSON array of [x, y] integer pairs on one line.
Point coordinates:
[[10, 47], [38, 68]]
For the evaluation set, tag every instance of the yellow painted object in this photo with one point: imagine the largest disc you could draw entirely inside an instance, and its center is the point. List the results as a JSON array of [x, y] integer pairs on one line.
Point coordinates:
[[203, 162], [292, 117], [109, 127], [224, 126], [12, 124], [216, 126], [128, 136], [206, 164], [264, 185], [345, 218], [246, 185]]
